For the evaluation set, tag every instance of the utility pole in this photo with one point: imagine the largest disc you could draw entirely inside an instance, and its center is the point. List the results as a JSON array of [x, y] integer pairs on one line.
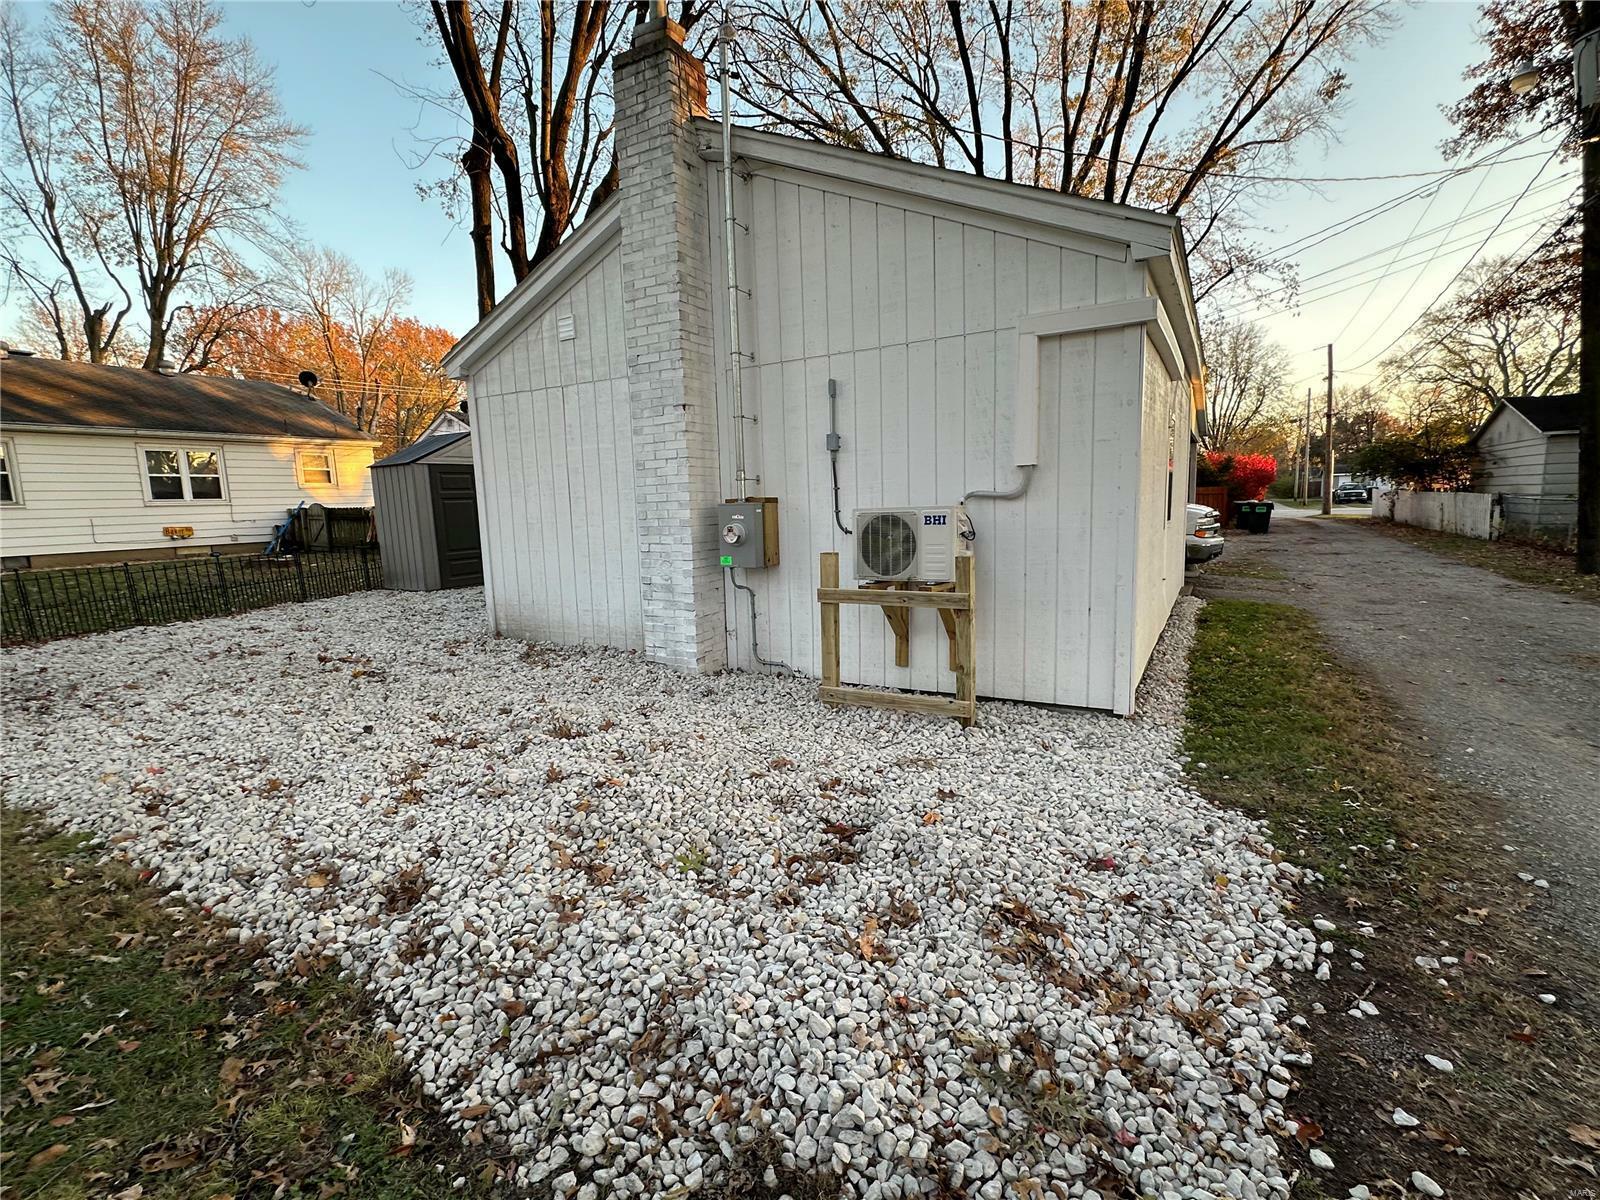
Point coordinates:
[[1327, 443], [1587, 62]]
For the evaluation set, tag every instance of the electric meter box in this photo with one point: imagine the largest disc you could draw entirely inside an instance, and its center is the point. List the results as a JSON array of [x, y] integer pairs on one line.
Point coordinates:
[[747, 532]]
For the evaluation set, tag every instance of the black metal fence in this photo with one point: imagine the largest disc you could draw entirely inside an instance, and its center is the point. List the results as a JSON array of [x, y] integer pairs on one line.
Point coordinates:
[[37, 606]]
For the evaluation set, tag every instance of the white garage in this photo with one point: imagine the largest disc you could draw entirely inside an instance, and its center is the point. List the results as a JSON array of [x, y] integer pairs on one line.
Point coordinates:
[[908, 338]]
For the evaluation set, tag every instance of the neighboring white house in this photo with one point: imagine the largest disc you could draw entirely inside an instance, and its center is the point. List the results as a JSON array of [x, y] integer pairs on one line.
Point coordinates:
[[100, 463], [963, 326]]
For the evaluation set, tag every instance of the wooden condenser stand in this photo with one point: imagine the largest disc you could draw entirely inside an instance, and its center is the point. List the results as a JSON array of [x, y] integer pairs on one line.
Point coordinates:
[[954, 604]]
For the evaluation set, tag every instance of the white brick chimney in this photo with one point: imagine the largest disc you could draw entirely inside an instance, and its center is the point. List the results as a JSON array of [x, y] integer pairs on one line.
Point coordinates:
[[667, 293]]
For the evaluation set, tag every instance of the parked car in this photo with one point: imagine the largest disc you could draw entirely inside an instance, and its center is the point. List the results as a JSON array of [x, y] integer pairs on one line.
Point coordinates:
[[1352, 493], [1203, 540]]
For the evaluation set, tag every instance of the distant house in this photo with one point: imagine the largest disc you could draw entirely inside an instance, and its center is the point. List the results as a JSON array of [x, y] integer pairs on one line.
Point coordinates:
[[1527, 454], [452, 420], [1529, 447], [101, 463]]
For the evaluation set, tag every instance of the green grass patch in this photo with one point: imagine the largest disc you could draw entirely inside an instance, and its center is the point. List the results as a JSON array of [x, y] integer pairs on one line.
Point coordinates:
[[145, 1050], [1283, 736]]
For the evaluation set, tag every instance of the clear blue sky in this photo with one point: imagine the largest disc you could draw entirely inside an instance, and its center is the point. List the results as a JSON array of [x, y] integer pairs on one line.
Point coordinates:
[[343, 70]]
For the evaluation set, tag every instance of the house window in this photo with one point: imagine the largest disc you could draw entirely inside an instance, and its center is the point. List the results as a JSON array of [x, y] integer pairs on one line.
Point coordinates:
[[316, 467], [10, 487], [182, 472]]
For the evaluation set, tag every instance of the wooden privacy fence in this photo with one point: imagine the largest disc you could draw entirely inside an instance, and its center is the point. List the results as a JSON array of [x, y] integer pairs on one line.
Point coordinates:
[[953, 602], [38, 606]]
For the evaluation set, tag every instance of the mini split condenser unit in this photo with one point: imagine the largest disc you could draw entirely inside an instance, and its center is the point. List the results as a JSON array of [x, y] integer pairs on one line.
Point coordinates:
[[907, 543]]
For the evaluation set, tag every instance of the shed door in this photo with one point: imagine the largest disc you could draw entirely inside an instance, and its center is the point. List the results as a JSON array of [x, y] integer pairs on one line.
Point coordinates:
[[455, 525]]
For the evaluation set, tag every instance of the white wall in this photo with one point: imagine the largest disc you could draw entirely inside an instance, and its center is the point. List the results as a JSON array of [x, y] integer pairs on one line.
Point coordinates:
[[1163, 440], [1471, 514], [552, 443], [1560, 467], [84, 493], [913, 308], [1512, 456]]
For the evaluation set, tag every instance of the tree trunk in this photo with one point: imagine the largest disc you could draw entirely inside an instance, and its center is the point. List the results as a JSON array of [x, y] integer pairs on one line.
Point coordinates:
[[475, 162]]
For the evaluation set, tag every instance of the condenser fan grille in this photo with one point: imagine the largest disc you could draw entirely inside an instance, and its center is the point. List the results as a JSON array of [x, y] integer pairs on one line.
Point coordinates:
[[888, 545]]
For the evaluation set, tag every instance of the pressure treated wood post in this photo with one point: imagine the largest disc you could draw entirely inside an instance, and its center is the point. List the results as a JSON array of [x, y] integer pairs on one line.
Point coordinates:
[[830, 623], [966, 675]]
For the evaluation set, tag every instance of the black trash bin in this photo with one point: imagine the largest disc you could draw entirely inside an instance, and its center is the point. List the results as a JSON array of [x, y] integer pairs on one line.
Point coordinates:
[[1254, 515]]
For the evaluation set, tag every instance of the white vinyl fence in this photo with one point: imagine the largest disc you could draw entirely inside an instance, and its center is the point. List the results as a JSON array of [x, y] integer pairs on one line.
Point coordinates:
[[1471, 514]]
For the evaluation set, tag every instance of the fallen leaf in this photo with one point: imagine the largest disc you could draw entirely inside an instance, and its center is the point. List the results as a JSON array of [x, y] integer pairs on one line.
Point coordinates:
[[868, 941], [168, 1160], [1577, 1164], [47, 1156], [1308, 1132], [513, 1008], [128, 1047], [1585, 1135], [474, 1111], [232, 1071], [316, 880], [408, 1139], [62, 1121], [932, 817]]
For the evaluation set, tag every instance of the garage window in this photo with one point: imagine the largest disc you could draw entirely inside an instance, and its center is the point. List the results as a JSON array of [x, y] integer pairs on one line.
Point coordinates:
[[178, 473]]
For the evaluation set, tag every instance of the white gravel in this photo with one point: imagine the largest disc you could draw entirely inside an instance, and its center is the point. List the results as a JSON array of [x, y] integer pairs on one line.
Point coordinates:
[[648, 919]]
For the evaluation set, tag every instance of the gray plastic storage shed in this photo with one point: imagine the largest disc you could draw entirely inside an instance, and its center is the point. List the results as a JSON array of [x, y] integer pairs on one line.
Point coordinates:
[[427, 513]]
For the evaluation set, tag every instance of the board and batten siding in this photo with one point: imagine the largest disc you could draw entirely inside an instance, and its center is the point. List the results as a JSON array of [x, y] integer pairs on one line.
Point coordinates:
[[552, 447], [1163, 495], [913, 307], [84, 492]]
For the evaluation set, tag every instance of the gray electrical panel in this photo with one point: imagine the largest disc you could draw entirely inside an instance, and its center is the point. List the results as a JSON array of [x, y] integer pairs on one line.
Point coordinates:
[[747, 532]]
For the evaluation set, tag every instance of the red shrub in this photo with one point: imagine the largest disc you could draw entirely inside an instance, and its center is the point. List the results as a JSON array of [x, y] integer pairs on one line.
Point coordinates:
[[1251, 475]]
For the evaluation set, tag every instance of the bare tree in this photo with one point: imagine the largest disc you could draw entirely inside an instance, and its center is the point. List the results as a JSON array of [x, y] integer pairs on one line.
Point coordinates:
[[1491, 339], [534, 81], [1246, 382], [352, 317], [178, 138], [1185, 106], [69, 295]]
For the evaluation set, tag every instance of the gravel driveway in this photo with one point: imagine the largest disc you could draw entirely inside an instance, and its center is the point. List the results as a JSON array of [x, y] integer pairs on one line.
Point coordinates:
[[1503, 678], [640, 926]]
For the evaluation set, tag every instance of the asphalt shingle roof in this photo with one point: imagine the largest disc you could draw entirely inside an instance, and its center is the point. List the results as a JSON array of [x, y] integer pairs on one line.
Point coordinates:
[[1551, 414], [79, 395]]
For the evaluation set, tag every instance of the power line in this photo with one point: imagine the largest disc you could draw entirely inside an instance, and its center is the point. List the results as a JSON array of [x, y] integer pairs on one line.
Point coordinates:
[[1414, 225], [1345, 224], [1331, 288], [1440, 173], [1470, 260]]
